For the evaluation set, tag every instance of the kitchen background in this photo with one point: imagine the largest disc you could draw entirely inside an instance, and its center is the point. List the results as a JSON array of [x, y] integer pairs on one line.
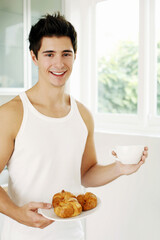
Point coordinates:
[[130, 205]]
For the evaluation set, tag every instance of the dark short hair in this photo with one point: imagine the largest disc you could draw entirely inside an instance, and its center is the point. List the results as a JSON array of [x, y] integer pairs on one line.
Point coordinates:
[[48, 26]]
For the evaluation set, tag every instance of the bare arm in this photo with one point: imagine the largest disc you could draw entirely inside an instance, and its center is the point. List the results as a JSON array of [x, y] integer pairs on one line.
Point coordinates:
[[93, 174], [6, 149], [10, 121]]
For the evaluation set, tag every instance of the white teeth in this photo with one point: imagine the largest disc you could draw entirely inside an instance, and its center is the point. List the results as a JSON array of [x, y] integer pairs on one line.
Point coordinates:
[[58, 73]]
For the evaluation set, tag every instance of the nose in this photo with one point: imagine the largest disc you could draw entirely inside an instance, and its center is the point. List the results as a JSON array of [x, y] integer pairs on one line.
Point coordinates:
[[58, 62]]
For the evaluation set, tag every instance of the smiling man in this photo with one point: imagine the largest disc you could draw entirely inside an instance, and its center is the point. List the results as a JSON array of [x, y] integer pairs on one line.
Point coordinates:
[[55, 60], [47, 141]]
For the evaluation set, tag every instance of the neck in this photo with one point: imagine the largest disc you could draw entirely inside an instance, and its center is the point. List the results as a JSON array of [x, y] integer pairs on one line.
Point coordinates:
[[48, 96]]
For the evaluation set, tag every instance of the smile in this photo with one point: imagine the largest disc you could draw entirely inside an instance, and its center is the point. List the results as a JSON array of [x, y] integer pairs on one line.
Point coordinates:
[[57, 73]]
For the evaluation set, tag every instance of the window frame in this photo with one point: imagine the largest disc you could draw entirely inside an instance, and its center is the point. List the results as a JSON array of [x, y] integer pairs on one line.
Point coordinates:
[[27, 81], [27, 61], [146, 120]]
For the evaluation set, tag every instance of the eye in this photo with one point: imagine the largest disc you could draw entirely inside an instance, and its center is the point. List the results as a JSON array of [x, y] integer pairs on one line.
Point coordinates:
[[49, 55], [67, 54]]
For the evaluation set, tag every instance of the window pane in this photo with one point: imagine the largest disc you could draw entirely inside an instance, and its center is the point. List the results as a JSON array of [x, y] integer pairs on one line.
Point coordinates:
[[117, 30], [39, 8], [158, 55], [11, 43]]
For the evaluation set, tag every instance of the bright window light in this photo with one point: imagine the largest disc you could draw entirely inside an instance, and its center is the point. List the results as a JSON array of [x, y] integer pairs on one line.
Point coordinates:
[[117, 30]]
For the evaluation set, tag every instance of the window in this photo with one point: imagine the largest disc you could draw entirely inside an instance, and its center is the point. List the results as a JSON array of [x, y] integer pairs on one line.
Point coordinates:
[[125, 75], [11, 44], [117, 29], [118, 72], [16, 71]]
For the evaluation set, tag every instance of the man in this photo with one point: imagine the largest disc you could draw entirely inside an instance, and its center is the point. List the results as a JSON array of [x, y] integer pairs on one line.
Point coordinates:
[[47, 140]]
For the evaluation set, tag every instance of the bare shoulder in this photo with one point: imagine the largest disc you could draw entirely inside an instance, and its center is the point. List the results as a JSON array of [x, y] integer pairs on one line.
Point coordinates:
[[11, 114], [11, 108], [86, 116]]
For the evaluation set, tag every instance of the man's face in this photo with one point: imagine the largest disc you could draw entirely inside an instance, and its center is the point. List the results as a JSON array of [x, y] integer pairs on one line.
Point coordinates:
[[55, 60]]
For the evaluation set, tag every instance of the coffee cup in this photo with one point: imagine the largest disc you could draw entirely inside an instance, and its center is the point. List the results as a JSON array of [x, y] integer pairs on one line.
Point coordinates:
[[129, 154]]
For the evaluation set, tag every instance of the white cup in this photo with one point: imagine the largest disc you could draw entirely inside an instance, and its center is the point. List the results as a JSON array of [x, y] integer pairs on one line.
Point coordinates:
[[130, 154]]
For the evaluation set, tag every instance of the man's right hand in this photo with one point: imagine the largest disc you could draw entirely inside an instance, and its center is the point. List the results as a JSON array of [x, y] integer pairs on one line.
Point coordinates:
[[28, 215]]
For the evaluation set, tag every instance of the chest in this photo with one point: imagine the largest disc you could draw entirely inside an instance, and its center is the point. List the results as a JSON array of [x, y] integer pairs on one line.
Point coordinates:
[[52, 138]]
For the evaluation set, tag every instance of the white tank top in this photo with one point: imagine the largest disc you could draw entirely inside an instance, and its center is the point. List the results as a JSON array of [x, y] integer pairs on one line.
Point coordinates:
[[46, 159]]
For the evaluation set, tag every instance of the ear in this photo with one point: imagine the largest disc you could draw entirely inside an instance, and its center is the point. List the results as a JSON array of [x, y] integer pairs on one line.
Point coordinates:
[[75, 56], [33, 56]]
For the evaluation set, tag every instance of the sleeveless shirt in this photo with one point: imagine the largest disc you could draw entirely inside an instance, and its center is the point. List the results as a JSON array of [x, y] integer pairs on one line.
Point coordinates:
[[46, 159]]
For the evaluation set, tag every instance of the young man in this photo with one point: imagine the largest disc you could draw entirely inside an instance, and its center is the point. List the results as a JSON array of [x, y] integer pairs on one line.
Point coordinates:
[[47, 141]]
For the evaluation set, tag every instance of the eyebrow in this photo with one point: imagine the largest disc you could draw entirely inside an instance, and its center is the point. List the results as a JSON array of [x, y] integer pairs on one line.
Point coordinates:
[[52, 51]]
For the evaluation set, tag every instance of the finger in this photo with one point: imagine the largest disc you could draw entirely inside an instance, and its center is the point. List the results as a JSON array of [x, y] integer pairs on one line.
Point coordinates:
[[46, 205], [114, 154], [146, 148], [42, 222], [46, 224], [36, 205], [143, 159], [141, 162], [145, 153]]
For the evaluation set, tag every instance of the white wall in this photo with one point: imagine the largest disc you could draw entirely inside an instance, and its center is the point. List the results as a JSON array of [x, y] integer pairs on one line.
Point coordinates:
[[131, 204]]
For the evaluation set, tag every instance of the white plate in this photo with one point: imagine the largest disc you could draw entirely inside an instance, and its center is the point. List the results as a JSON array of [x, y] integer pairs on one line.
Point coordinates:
[[50, 214]]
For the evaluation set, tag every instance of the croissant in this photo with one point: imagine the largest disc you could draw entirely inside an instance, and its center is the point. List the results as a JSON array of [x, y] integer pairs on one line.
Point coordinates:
[[66, 205], [88, 201]]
